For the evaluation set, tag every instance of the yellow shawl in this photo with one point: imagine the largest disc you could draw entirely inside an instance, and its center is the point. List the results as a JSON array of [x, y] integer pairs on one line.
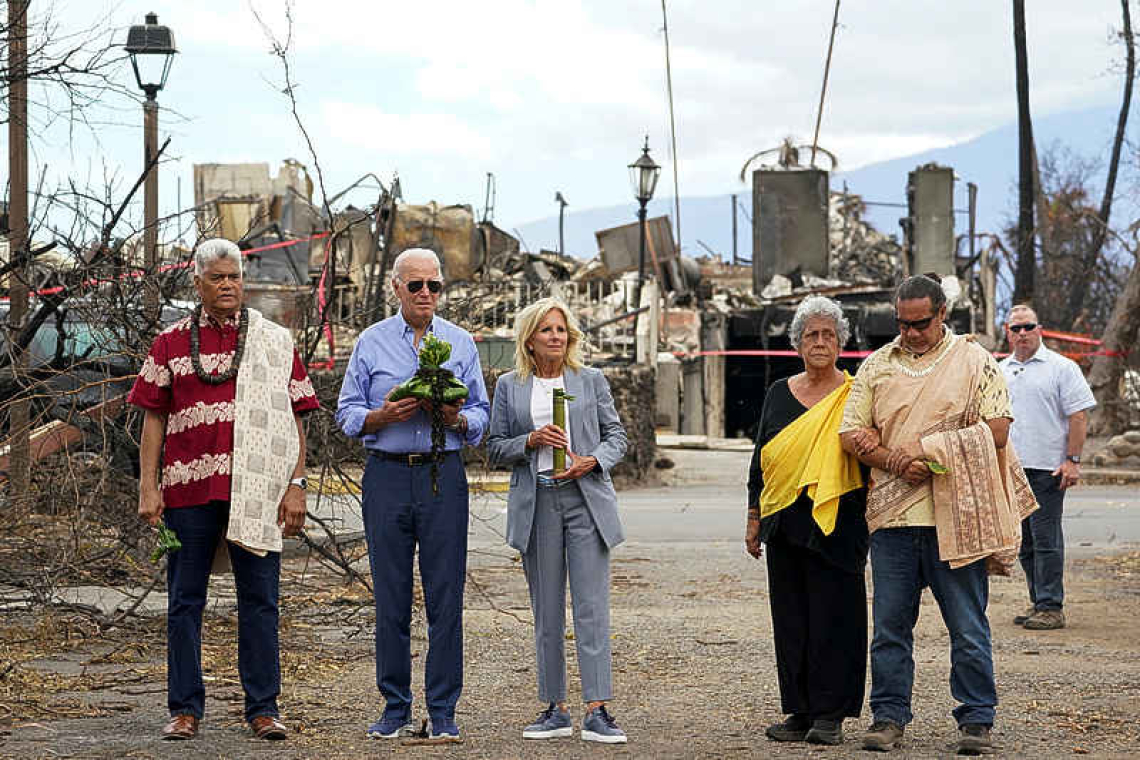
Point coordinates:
[[807, 454]]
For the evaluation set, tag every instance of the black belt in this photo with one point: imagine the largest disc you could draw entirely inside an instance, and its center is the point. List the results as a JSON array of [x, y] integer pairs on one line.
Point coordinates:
[[408, 460]]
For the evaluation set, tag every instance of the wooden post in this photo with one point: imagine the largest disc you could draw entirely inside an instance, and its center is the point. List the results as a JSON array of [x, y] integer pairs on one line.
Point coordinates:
[[19, 426]]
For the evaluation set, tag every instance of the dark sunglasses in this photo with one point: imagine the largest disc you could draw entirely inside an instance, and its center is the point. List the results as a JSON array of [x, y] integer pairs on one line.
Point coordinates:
[[415, 286], [916, 324], [1028, 327]]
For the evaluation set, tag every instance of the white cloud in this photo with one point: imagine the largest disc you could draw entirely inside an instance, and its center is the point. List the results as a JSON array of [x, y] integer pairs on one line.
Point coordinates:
[[369, 128]]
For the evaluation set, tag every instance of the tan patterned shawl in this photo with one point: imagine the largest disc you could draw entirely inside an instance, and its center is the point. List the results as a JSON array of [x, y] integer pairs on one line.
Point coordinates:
[[910, 409], [980, 503], [266, 444]]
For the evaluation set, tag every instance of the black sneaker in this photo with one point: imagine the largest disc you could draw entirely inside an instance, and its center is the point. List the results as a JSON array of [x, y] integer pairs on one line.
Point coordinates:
[[825, 732], [882, 736], [794, 729], [974, 739]]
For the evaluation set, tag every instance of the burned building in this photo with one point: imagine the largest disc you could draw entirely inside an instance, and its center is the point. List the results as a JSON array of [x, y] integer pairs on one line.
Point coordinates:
[[808, 240]]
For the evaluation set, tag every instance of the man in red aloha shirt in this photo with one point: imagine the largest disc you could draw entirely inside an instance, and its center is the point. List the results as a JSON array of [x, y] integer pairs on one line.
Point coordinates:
[[223, 391]]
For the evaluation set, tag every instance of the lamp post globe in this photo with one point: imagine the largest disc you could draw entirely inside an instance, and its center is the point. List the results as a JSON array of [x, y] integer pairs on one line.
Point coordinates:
[[643, 174], [151, 48]]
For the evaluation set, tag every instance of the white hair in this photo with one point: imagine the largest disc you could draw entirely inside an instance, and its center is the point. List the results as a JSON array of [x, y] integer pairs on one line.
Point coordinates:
[[818, 306], [415, 254], [210, 251]]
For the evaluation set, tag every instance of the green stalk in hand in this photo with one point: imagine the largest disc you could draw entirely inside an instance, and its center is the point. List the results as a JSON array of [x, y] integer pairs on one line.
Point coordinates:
[[167, 542], [560, 399]]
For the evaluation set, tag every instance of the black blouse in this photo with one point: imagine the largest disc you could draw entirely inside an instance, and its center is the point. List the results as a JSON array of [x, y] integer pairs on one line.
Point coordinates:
[[846, 547]]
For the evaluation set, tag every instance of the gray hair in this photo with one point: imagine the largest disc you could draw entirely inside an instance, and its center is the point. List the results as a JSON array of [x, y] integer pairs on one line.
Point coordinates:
[[421, 254], [210, 251], [818, 306]]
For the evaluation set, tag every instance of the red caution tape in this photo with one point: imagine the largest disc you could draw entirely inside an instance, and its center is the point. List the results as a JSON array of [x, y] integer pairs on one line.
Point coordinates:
[[138, 273]]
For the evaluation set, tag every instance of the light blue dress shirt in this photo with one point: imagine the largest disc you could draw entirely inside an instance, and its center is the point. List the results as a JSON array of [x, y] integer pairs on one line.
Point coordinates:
[[385, 356], [1045, 390]]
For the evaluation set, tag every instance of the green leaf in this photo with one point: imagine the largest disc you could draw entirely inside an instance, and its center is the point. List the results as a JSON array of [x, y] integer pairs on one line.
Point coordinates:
[[936, 468]]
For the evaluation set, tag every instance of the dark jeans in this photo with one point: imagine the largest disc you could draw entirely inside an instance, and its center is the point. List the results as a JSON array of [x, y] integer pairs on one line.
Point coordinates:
[[401, 511], [199, 529], [819, 628], [903, 562], [1043, 543]]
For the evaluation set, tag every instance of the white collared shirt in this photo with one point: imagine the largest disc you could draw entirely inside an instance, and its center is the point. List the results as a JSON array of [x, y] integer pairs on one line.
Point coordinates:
[[1044, 390], [542, 413]]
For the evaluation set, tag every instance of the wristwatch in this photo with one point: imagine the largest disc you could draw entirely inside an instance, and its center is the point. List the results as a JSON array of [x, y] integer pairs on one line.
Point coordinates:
[[301, 483], [1074, 458]]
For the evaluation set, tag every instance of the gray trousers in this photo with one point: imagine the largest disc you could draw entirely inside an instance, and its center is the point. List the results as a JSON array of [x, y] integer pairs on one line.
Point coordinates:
[[563, 537]]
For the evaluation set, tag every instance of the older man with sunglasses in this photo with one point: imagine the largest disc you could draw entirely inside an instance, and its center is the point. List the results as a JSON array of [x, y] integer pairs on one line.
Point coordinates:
[[402, 506], [1050, 398], [936, 402]]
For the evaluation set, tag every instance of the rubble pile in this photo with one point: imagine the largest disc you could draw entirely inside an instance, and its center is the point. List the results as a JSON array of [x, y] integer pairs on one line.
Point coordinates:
[[1119, 450], [860, 254]]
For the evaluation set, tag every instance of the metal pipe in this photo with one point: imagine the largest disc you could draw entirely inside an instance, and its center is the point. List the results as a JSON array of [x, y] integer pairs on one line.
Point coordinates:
[[734, 229]]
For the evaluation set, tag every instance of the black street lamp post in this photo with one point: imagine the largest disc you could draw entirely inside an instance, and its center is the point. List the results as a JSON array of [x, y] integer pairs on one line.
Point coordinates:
[[151, 48], [643, 174]]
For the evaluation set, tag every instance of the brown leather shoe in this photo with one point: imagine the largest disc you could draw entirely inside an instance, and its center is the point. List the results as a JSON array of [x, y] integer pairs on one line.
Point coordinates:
[[180, 728], [268, 727]]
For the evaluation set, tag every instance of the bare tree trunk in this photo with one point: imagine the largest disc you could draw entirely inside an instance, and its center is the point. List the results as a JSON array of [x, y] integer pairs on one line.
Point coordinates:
[[1084, 273], [1023, 285], [1111, 415]]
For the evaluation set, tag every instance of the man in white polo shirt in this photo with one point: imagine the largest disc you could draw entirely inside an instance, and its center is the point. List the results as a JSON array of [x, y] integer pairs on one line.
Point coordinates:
[[1050, 397]]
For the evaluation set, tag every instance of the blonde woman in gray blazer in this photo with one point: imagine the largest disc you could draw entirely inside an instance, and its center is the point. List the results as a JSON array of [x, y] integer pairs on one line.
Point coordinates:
[[563, 523]]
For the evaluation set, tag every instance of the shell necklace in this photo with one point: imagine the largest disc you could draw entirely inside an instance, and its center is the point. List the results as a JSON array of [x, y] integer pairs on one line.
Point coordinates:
[[951, 341]]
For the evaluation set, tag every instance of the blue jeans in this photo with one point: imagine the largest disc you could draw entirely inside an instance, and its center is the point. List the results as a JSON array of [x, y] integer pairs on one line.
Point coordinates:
[[199, 528], [903, 562], [400, 510], [1042, 552]]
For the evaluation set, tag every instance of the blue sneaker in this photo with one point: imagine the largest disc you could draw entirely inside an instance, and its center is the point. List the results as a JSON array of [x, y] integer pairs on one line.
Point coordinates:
[[551, 723], [392, 725], [599, 726], [444, 728]]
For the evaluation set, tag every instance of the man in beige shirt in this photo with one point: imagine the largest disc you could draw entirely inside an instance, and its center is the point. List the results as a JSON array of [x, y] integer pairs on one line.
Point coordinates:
[[926, 385]]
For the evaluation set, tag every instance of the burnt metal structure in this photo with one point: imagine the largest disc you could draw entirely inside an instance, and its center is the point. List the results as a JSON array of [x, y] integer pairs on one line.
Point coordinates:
[[790, 231], [930, 225]]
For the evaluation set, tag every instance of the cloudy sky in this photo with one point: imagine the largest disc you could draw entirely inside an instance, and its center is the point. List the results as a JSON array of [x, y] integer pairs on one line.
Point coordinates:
[[558, 94]]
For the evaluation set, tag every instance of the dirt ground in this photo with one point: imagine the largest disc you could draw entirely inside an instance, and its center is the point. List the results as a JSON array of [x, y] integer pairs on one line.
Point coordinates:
[[694, 669]]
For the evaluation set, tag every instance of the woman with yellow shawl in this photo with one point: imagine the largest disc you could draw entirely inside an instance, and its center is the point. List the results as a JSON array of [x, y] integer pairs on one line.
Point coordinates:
[[806, 501]]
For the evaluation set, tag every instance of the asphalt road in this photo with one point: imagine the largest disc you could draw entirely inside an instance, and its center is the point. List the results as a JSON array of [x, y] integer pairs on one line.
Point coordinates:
[[704, 502]]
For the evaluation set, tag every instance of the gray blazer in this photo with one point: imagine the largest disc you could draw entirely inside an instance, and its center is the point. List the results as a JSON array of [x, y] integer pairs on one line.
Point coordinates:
[[595, 430]]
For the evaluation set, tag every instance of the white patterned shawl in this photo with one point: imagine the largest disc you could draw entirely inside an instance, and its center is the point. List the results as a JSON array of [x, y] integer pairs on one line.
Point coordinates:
[[266, 443]]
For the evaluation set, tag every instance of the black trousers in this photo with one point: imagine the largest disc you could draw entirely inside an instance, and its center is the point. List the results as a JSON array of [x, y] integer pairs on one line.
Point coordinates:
[[819, 628]]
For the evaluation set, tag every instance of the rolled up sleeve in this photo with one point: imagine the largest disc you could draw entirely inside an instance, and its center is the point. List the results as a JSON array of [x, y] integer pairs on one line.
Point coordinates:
[[352, 404], [477, 408]]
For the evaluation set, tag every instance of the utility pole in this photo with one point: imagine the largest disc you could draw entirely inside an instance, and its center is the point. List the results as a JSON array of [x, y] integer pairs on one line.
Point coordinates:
[[19, 468], [1026, 268]]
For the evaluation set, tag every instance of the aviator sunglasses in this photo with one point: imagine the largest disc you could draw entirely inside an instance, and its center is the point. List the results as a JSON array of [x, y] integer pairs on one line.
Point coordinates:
[[1028, 327], [415, 286]]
